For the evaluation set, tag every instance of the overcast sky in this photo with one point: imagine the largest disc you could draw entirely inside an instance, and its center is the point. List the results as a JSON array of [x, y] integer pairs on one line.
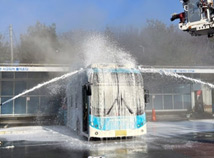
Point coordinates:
[[86, 14]]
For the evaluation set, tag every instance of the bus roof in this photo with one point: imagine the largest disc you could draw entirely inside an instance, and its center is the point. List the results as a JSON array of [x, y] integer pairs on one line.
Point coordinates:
[[117, 70], [112, 66]]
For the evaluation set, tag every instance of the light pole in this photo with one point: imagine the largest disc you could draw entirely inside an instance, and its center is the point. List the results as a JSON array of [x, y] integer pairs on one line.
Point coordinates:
[[11, 43]]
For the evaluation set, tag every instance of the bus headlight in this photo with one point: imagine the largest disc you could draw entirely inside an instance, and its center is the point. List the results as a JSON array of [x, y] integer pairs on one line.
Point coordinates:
[[96, 133]]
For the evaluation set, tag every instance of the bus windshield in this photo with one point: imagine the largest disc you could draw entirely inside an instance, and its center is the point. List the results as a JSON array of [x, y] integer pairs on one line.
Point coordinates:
[[117, 94]]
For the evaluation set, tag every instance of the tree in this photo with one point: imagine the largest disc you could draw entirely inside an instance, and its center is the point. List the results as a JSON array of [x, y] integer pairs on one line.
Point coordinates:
[[39, 45], [159, 44], [4, 50]]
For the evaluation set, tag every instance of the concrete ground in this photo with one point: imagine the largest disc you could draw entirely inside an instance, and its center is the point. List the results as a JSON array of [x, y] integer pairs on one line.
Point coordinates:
[[181, 139]]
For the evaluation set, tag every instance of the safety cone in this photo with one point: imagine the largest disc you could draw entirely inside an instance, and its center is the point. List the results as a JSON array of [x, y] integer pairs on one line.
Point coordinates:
[[153, 115]]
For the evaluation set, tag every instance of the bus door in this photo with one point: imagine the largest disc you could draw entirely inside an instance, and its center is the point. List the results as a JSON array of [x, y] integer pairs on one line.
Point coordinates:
[[86, 92]]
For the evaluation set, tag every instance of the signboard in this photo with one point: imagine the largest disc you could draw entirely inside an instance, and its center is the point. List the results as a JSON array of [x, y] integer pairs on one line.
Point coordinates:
[[67, 69], [33, 69]]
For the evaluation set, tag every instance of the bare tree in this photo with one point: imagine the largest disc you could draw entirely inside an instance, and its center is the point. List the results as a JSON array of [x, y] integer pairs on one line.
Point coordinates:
[[4, 50], [39, 44]]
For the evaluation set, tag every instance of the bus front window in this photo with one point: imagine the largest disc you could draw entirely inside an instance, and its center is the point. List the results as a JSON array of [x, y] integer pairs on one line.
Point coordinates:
[[117, 94]]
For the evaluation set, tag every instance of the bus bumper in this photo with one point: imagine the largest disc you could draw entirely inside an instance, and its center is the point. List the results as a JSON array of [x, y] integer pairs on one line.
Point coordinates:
[[95, 133]]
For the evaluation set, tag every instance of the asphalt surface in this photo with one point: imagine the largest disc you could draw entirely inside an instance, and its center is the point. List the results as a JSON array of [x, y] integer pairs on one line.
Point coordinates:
[[186, 139]]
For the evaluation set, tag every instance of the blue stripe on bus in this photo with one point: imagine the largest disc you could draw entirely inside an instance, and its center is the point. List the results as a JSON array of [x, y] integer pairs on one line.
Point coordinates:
[[120, 70], [117, 122]]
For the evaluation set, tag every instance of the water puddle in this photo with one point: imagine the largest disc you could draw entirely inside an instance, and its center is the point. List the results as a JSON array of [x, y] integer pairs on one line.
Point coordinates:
[[205, 137]]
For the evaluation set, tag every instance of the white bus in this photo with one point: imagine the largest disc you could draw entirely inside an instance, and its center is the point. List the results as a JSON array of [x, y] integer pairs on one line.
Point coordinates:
[[107, 101]]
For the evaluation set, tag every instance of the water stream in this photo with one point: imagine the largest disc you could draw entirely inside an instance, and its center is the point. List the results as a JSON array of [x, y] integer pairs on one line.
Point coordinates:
[[43, 84], [144, 70], [175, 75]]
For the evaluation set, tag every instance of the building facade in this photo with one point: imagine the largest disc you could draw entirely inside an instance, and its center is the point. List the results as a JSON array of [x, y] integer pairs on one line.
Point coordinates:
[[166, 93], [16, 79]]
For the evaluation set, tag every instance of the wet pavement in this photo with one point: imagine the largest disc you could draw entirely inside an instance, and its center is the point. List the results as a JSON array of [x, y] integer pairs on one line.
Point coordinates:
[[186, 139]]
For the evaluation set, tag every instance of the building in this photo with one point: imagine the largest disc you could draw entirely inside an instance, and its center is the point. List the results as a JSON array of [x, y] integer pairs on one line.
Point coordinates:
[[171, 94], [167, 94], [16, 79]]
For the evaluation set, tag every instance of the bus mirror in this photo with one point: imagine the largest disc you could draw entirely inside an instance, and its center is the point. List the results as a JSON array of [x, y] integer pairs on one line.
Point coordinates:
[[146, 96], [88, 89]]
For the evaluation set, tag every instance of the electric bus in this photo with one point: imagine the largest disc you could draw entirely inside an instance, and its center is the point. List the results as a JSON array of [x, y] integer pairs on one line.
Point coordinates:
[[107, 101]]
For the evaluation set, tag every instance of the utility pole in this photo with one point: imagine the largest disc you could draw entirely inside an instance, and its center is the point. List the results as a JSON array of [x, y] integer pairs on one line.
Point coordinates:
[[143, 48], [11, 43]]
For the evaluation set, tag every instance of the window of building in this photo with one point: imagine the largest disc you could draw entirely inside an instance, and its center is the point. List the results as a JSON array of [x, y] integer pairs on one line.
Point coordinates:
[[34, 75], [31, 84], [21, 75], [149, 105], [158, 103], [178, 102], [33, 105], [8, 107], [7, 88], [20, 105], [20, 86], [168, 102], [187, 101], [7, 75]]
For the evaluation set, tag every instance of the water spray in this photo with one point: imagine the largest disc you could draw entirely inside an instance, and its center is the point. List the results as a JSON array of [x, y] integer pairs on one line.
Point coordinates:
[[175, 75], [42, 85]]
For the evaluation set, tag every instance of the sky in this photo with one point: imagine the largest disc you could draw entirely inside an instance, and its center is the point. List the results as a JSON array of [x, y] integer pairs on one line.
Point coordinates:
[[84, 14]]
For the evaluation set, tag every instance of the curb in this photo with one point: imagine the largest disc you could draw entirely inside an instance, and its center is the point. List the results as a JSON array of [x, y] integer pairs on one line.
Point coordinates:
[[13, 132]]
